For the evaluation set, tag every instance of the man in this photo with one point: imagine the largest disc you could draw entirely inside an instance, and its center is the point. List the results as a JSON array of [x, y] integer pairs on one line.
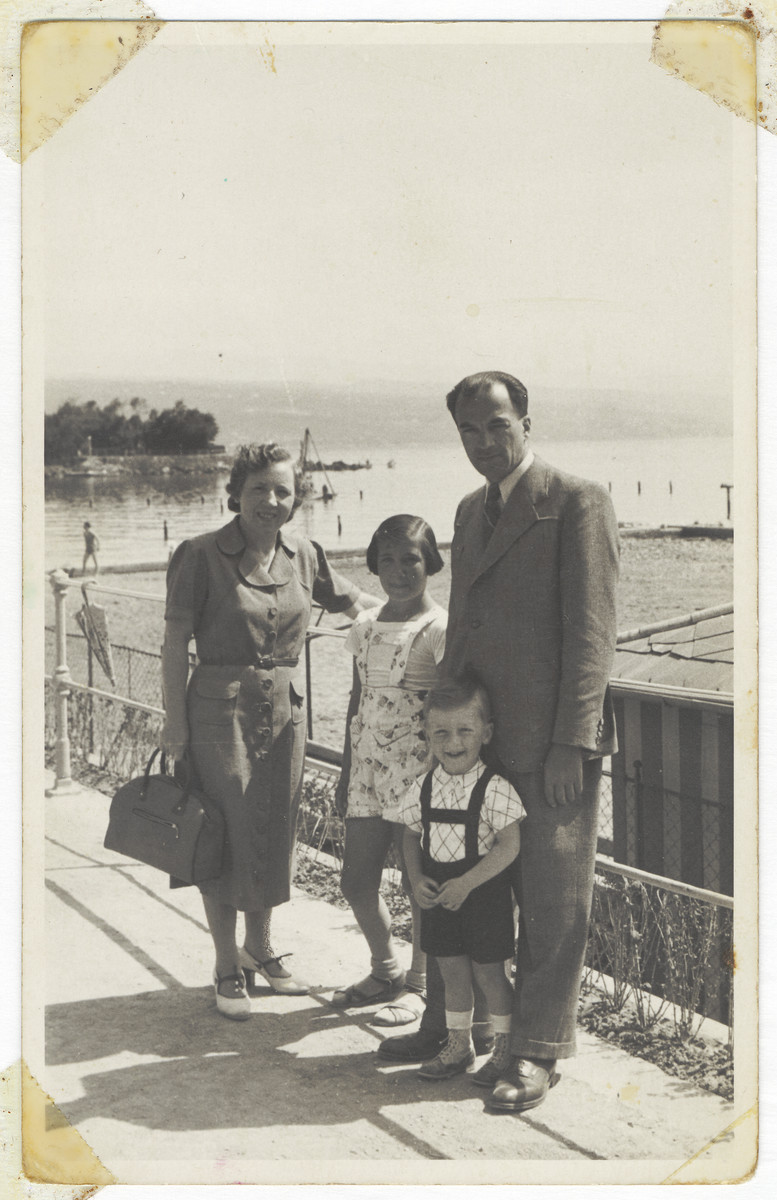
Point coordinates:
[[534, 564]]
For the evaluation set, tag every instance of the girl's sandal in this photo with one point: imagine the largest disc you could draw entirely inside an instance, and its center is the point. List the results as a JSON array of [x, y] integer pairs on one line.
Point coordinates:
[[407, 1007], [353, 997]]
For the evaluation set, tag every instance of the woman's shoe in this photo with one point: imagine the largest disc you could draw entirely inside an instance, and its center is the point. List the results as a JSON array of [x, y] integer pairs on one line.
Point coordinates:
[[235, 1004], [273, 971]]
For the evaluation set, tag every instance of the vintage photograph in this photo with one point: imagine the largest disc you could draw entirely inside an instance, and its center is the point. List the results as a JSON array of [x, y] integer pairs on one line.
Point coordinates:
[[392, 395]]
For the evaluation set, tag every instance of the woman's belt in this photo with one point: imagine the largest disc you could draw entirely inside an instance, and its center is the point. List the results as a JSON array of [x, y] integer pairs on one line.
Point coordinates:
[[264, 664]]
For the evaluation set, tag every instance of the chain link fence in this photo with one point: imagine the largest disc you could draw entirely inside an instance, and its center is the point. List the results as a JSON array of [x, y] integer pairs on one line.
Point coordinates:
[[652, 947]]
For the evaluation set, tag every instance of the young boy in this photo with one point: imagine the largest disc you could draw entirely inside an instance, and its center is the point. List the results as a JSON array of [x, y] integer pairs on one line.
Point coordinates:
[[462, 833]]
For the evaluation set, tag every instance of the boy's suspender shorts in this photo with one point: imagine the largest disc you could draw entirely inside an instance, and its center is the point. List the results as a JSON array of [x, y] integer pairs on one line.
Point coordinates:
[[483, 928]]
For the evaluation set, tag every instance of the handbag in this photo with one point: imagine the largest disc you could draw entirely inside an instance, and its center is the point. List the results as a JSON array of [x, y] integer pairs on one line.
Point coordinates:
[[160, 821]]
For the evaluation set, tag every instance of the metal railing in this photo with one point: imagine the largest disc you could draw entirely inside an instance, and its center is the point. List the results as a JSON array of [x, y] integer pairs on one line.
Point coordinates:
[[118, 729]]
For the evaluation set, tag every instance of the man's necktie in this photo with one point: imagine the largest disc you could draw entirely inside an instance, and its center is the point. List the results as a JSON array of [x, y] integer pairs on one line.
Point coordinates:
[[494, 504]]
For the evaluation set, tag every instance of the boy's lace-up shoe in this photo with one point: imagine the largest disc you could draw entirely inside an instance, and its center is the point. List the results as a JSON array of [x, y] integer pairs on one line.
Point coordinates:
[[449, 1062], [493, 1070], [425, 1044]]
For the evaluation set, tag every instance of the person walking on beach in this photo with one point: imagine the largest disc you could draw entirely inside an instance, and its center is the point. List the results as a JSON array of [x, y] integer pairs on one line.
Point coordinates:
[[91, 546], [396, 650], [462, 833], [532, 610]]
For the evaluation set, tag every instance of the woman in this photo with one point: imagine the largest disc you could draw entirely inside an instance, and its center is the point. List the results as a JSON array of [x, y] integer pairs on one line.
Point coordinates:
[[245, 593]]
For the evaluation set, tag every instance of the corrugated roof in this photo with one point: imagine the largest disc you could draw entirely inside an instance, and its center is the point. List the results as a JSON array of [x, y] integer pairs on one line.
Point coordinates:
[[698, 655]]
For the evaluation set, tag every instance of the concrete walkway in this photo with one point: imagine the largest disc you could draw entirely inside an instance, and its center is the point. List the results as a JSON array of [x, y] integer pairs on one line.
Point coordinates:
[[162, 1088]]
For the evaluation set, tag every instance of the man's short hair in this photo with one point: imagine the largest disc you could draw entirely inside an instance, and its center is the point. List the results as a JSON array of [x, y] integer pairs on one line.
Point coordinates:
[[474, 384], [456, 692]]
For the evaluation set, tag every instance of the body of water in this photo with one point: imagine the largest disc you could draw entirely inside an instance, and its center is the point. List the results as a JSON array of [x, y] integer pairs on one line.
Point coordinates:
[[652, 482]]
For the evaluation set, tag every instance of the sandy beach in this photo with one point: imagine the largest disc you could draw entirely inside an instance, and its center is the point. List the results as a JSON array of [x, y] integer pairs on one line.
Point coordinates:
[[660, 578]]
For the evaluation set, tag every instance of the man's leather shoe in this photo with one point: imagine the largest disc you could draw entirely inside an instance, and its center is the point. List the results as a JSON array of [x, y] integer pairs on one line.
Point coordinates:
[[524, 1085], [424, 1045]]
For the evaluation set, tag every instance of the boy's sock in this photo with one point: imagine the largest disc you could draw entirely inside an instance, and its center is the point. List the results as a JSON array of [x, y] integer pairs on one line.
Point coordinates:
[[458, 1053], [459, 1042], [501, 1055]]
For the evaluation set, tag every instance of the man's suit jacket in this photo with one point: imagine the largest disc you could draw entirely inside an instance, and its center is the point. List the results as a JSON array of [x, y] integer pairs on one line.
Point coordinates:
[[532, 611]]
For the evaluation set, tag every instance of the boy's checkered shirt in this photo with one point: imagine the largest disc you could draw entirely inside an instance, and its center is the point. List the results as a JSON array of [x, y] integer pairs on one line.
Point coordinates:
[[501, 806]]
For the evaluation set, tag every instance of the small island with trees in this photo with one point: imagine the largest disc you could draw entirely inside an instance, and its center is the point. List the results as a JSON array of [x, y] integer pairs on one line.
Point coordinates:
[[123, 437]]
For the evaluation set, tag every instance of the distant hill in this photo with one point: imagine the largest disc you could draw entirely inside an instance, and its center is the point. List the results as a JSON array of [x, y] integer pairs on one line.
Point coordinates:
[[381, 413]]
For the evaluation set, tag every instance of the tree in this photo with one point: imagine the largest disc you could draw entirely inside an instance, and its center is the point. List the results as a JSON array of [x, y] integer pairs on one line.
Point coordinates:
[[65, 432], [178, 430]]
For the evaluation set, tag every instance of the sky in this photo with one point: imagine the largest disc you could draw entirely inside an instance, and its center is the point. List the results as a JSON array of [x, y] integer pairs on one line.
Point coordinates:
[[393, 212]]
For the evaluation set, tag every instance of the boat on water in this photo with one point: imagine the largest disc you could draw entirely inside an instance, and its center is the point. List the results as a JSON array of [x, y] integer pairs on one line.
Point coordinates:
[[307, 464]]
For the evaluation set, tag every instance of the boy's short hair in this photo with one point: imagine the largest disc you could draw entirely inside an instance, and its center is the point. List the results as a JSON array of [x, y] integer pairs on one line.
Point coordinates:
[[407, 526], [455, 692]]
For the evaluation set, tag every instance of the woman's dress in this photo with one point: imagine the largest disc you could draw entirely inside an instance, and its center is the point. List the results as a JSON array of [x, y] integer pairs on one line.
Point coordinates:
[[246, 701]]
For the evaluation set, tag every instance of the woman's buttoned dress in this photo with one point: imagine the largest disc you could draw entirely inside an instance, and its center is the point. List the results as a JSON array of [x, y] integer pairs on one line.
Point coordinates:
[[246, 701]]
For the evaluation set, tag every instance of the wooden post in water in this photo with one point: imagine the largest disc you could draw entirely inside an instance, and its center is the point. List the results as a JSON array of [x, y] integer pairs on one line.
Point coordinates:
[[728, 487]]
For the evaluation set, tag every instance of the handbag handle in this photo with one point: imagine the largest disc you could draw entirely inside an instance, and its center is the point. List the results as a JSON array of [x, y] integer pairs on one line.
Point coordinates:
[[149, 764], [184, 787]]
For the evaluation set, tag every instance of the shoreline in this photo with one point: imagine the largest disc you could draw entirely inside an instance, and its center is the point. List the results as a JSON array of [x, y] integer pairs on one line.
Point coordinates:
[[142, 466], [146, 466], [678, 532]]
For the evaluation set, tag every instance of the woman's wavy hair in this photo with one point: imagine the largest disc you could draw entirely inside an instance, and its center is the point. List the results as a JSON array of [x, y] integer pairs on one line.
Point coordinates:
[[405, 526], [258, 458]]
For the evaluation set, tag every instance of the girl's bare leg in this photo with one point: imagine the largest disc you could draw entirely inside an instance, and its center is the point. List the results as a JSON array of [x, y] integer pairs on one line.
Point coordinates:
[[416, 976], [367, 840]]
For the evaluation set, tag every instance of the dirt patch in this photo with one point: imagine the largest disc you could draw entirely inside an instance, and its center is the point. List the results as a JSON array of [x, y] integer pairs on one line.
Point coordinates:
[[708, 1065]]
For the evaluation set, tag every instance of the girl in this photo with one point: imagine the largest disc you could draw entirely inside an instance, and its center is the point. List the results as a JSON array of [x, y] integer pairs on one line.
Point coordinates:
[[396, 651]]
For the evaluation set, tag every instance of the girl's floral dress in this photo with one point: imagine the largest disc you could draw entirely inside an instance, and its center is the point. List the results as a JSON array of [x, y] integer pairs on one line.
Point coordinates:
[[397, 664]]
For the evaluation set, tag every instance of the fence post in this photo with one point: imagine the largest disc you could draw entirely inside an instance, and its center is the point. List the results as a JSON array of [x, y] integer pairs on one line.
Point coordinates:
[[309, 685], [64, 783], [90, 681]]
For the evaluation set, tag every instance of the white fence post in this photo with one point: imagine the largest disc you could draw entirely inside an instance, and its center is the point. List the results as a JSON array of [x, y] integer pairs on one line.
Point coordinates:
[[64, 783]]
